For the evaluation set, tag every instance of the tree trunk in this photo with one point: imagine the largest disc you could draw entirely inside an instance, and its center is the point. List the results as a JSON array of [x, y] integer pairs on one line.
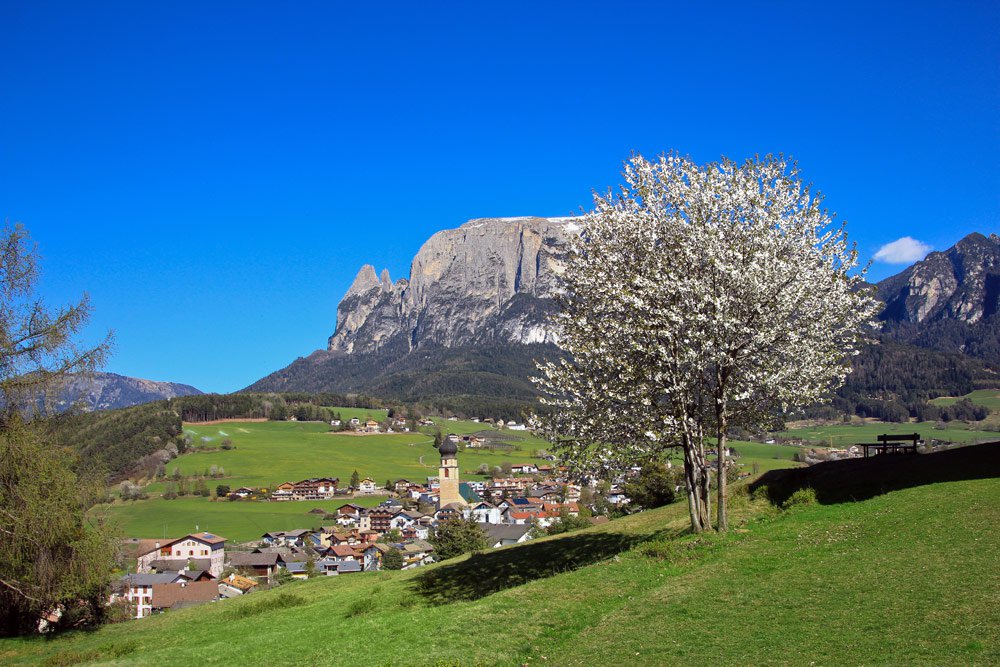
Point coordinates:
[[721, 422], [692, 473]]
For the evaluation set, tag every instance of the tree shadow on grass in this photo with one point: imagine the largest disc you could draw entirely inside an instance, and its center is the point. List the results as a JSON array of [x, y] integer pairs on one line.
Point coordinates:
[[489, 572], [860, 479]]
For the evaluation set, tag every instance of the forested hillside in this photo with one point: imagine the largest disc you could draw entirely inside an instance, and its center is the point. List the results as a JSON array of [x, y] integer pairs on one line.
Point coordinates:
[[136, 440], [491, 380]]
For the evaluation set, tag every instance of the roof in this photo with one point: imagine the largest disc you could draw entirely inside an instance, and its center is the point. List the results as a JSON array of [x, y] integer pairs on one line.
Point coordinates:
[[501, 532], [243, 559], [207, 537], [413, 546], [173, 595], [239, 581], [148, 546], [296, 566], [467, 493], [140, 579], [342, 550], [349, 566]]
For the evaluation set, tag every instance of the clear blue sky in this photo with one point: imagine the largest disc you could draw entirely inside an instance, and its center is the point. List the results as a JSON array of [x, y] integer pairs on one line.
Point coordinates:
[[214, 177]]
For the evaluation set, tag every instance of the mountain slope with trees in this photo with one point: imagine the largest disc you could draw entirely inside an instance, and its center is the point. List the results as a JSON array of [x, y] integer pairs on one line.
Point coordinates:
[[940, 337]]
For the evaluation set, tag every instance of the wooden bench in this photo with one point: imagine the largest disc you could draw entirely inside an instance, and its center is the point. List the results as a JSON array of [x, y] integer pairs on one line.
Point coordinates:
[[892, 444]]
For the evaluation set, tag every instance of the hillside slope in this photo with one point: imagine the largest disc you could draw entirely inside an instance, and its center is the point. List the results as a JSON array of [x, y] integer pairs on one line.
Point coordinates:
[[908, 577], [110, 391]]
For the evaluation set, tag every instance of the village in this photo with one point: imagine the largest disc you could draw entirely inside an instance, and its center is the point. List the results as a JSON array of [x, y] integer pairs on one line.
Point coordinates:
[[199, 567]]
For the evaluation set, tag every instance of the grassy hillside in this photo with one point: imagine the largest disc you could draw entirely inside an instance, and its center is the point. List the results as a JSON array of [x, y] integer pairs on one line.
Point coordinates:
[[907, 577], [986, 397], [268, 453], [236, 521], [841, 435]]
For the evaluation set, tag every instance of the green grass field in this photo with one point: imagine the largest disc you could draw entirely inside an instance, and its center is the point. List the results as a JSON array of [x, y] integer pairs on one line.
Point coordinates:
[[986, 397], [904, 578], [236, 521], [841, 435], [269, 453]]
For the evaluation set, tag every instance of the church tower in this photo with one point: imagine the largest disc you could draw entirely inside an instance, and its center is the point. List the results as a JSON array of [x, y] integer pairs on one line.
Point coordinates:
[[448, 474]]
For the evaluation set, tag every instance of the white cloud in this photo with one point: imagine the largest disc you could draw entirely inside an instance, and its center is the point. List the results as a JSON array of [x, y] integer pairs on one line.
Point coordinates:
[[902, 251]]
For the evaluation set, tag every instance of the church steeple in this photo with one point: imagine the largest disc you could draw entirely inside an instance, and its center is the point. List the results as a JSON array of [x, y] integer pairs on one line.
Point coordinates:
[[448, 474]]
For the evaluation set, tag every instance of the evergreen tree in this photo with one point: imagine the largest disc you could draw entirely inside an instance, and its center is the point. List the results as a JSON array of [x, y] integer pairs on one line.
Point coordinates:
[[392, 560], [456, 537], [52, 556]]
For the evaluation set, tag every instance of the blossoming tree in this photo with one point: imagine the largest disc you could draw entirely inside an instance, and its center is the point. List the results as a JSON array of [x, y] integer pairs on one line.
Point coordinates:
[[699, 298]]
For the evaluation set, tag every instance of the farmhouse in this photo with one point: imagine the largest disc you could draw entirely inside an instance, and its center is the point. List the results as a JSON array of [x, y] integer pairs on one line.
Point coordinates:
[[315, 488], [260, 565], [137, 590], [367, 486], [204, 550]]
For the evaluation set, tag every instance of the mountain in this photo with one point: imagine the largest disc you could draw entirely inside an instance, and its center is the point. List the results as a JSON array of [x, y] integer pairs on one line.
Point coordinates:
[[949, 301], [462, 333], [109, 391], [489, 281], [962, 283]]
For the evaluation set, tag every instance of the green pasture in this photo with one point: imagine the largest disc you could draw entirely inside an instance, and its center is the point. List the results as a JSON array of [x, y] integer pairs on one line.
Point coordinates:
[[842, 435], [989, 398], [269, 453], [364, 414], [767, 457], [266, 454], [236, 521], [906, 577]]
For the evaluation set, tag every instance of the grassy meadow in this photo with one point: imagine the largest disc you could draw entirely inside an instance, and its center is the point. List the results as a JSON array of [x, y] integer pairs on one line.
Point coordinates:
[[906, 577], [842, 435], [986, 397], [268, 453], [236, 521]]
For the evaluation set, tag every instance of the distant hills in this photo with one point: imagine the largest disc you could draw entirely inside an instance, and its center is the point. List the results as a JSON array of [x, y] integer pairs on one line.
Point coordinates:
[[109, 391], [462, 332]]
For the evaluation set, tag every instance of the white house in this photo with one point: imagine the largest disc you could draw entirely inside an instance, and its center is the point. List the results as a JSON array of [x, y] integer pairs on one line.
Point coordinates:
[[367, 485], [204, 551], [483, 513], [137, 589]]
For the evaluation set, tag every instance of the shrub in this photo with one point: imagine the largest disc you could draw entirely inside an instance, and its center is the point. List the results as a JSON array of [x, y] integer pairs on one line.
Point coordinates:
[[806, 496], [279, 601], [361, 607]]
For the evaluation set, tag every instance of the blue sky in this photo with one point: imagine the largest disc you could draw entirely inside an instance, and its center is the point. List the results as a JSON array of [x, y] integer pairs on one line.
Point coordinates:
[[214, 178]]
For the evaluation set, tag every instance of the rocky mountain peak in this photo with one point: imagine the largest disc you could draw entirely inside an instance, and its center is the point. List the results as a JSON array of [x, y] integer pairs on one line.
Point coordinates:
[[489, 280], [364, 281], [960, 283]]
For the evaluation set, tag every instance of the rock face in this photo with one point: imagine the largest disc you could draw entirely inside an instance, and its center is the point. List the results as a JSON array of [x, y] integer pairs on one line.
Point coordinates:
[[108, 391], [489, 281], [961, 283]]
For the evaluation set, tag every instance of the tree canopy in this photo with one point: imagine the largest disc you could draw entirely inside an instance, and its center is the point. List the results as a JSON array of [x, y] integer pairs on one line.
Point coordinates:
[[55, 562], [696, 299]]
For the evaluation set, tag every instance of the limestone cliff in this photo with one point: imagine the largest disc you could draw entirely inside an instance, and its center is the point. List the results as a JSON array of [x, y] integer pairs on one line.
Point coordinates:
[[489, 281], [961, 283]]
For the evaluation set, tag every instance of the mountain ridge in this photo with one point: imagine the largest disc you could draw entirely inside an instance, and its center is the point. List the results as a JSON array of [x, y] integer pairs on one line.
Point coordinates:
[[109, 391], [451, 312]]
